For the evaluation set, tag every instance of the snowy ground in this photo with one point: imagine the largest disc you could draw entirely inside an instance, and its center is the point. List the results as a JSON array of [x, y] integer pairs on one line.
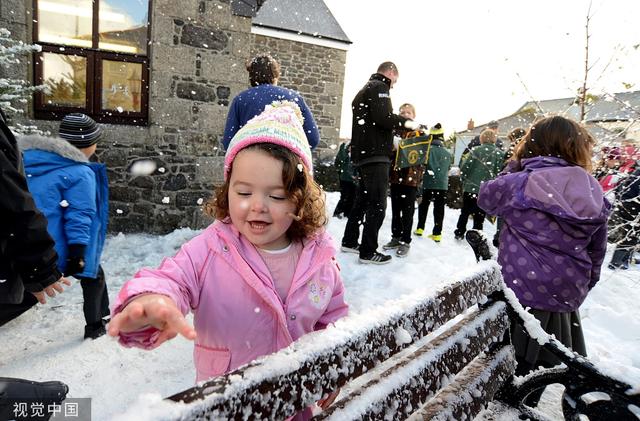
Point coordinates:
[[46, 343]]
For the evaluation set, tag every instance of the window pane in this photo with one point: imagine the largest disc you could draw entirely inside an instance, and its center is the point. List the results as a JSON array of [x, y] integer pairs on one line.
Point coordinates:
[[66, 79], [123, 25], [121, 86], [65, 22]]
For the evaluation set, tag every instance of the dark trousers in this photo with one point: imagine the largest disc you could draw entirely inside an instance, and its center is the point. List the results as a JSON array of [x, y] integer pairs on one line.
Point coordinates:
[[470, 207], [9, 312], [496, 237], [96, 298], [368, 209], [439, 198], [347, 196], [403, 205]]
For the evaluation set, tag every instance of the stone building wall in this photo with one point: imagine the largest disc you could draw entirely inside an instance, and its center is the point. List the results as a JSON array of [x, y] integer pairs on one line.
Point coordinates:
[[317, 72], [197, 55]]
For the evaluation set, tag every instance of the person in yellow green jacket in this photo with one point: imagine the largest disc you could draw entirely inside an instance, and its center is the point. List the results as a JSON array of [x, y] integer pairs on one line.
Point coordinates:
[[483, 163], [435, 184]]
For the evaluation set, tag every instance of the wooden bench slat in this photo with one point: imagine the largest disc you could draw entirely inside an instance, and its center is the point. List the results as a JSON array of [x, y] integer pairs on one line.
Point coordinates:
[[278, 393], [415, 376], [475, 385]]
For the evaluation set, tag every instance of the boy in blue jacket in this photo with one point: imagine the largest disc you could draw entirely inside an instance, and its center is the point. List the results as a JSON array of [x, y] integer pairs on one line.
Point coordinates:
[[73, 194]]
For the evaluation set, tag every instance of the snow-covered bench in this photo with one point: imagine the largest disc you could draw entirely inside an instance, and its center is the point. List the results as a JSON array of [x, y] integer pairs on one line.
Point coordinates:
[[434, 357]]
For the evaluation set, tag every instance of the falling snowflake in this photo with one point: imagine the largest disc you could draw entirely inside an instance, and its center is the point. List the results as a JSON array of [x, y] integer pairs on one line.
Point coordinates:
[[64, 203], [119, 211], [300, 167], [161, 169], [257, 309], [120, 109], [200, 201], [166, 199], [361, 121]]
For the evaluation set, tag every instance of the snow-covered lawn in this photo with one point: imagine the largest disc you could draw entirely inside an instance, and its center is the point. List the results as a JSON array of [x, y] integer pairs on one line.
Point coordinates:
[[46, 343]]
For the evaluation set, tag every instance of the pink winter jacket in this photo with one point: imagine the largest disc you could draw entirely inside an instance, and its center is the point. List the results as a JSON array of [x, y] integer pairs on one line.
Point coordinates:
[[238, 315]]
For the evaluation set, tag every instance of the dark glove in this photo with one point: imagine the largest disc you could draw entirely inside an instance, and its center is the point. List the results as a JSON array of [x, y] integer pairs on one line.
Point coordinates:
[[75, 260]]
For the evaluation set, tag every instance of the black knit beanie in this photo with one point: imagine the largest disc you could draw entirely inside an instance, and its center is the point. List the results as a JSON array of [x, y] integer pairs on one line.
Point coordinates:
[[80, 130]]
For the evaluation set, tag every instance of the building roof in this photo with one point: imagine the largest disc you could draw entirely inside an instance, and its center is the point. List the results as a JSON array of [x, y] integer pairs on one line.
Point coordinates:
[[622, 106], [303, 17], [609, 107], [525, 117], [562, 106]]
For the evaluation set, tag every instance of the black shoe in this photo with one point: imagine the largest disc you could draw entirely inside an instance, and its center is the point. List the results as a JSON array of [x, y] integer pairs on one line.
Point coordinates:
[[392, 245], [376, 259], [351, 249], [95, 330], [14, 391], [479, 244]]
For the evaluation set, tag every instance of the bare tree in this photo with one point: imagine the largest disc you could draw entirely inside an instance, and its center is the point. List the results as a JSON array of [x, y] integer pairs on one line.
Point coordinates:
[[582, 93]]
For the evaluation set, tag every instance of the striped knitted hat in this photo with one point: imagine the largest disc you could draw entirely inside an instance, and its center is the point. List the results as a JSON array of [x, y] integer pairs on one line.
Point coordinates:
[[80, 130], [280, 123]]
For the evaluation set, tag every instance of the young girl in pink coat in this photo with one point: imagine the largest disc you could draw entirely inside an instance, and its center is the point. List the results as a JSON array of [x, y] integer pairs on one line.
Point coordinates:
[[258, 278]]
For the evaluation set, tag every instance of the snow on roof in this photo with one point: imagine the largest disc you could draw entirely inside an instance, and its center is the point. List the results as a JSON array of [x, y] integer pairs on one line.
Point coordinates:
[[305, 17]]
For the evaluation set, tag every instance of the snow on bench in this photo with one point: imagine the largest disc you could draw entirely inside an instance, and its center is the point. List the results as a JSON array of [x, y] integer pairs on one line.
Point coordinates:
[[279, 385]]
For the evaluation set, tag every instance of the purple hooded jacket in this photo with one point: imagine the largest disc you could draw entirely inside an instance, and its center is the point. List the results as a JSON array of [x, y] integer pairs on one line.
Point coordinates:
[[554, 236]]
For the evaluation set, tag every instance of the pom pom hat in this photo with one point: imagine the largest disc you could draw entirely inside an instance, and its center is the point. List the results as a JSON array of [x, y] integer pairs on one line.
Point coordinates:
[[436, 130], [281, 124]]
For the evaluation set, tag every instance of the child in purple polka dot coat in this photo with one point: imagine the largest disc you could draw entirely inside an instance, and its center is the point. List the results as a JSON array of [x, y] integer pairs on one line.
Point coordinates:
[[554, 237]]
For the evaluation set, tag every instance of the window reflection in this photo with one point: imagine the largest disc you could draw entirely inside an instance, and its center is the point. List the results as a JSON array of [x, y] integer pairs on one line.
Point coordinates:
[[121, 86], [65, 79], [123, 25], [65, 22]]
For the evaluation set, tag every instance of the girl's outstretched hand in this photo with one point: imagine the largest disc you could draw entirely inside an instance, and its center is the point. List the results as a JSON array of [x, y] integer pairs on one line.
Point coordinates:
[[154, 310]]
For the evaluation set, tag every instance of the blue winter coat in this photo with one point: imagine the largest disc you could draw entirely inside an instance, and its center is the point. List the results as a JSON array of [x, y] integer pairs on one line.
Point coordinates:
[[73, 194], [251, 102]]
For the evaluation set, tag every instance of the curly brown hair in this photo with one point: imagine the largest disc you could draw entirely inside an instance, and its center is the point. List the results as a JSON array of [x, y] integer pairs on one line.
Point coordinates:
[[300, 188], [560, 137]]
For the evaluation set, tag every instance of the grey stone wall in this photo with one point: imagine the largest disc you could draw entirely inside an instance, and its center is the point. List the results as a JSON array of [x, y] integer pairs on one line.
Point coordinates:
[[198, 52], [316, 72]]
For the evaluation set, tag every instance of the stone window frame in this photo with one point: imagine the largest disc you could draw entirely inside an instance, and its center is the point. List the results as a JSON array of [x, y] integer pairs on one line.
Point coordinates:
[[94, 57]]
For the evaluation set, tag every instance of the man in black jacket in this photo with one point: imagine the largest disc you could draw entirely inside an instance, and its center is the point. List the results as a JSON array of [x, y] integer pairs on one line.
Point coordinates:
[[371, 149], [28, 261]]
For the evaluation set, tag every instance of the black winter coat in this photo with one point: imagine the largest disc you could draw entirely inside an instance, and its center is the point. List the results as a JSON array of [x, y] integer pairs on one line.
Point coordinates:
[[373, 122], [28, 260]]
